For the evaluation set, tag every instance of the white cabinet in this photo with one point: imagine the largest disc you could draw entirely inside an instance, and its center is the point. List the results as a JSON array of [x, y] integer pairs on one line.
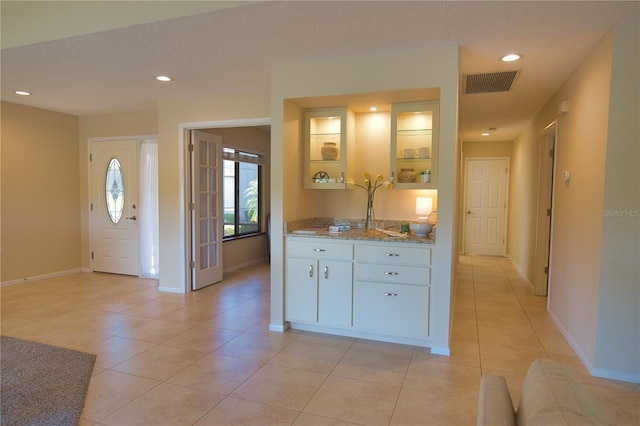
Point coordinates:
[[319, 282], [369, 289], [414, 145], [328, 147], [391, 289]]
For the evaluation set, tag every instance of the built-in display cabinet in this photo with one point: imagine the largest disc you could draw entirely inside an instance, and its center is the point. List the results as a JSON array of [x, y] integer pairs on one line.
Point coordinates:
[[414, 145], [369, 289], [328, 147]]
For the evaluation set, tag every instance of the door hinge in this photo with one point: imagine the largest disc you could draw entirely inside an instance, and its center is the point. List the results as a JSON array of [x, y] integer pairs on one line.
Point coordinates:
[[546, 269], [190, 147], [506, 170], [192, 264], [549, 212], [91, 206], [192, 206], [550, 153], [90, 157], [91, 255]]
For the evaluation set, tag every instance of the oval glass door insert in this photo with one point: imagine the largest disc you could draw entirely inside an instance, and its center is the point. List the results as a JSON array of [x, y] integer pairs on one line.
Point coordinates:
[[114, 190]]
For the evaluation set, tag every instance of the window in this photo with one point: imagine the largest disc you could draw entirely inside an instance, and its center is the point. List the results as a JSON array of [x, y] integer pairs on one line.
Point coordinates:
[[242, 193], [114, 191]]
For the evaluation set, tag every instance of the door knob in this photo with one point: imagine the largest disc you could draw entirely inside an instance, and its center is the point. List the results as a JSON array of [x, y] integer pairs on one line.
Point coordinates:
[[132, 217], [470, 212]]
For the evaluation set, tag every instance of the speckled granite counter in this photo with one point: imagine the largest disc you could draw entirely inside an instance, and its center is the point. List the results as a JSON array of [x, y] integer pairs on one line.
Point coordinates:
[[319, 228]]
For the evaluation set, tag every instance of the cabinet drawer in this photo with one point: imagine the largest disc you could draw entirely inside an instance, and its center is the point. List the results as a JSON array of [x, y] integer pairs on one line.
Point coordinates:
[[391, 308], [392, 274], [393, 254], [318, 249]]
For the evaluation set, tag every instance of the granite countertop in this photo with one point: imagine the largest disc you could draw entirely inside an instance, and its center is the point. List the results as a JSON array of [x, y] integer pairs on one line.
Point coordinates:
[[357, 234]]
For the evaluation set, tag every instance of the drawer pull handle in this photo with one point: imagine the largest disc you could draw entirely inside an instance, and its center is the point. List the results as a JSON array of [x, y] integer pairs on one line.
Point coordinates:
[[391, 273], [318, 250], [310, 271], [386, 293], [326, 272], [391, 254]]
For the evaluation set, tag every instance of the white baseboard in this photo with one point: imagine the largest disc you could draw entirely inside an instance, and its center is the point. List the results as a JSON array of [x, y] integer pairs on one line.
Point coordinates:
[[522, 275], [40, 277], [244, 265], [278, 328], [171, 289], [595, 372], [437, 350]]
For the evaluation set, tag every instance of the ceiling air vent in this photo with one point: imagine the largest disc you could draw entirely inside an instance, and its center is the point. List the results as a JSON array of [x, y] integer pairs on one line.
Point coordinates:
[[490, 82]]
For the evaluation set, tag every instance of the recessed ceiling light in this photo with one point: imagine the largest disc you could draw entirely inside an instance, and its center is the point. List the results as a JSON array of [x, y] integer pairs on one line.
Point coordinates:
[[373, 108], [486, 134], [163, 78], [511, 57], [22, 93]]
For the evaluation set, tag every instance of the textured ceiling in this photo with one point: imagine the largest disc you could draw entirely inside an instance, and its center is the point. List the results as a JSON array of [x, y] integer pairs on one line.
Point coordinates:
[[232, 50]]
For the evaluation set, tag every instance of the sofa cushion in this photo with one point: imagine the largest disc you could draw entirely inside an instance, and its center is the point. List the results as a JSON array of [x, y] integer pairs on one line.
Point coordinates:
[[552, 396], [494, 404]]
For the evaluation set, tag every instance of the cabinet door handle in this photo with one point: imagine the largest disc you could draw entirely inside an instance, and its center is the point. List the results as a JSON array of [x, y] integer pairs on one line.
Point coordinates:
[[318, 250], [391, 273], [342, 177], [391, 254], [326, 272], [310, 271], [386, 293], [393, 176]]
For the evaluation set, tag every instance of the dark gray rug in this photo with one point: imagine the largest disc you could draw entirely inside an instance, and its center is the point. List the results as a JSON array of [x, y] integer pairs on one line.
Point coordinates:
[[42, 384]]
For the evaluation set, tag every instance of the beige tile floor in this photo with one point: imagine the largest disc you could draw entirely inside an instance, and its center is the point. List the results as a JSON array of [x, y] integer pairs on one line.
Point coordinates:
[[208, 358]]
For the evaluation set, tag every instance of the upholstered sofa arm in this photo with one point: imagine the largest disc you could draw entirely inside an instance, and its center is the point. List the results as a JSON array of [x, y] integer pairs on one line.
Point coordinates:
[[494, 404], [552, 396]]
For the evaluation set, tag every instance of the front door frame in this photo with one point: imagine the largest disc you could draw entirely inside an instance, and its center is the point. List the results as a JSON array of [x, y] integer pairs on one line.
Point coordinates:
[[139, 138]]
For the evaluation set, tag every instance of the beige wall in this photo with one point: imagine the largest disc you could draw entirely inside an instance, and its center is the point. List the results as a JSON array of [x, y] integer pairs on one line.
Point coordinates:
[[40, 193], [578, 204], [430, 68], [244, 251], [105, 126], [617, 346], [593, 292], [487, 149]]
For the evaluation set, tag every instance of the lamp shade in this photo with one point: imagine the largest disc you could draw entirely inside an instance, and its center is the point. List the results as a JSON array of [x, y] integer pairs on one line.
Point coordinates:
[[424, 206]]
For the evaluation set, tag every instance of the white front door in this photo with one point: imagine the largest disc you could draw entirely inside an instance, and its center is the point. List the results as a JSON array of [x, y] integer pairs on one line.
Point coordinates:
[[485, 206], [206, 209], [114, 202]]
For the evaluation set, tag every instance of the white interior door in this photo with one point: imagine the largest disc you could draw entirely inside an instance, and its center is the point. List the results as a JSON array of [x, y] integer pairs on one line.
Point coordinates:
[[114, 200], [206, 209], [486, 206]]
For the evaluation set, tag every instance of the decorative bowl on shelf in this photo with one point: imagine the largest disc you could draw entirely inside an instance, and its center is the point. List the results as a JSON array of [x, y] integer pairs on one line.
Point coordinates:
[[421, 229]]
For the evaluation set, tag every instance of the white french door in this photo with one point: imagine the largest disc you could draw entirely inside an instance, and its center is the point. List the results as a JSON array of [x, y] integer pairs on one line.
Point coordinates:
[[206, 209], [114, 203], [486, 206]]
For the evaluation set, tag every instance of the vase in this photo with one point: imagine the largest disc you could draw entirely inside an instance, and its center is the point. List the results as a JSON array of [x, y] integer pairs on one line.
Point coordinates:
[[329, 151], [370, 217]]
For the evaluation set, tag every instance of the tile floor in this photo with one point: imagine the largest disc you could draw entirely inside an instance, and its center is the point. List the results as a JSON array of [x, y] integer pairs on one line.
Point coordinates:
[[208, 358]]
